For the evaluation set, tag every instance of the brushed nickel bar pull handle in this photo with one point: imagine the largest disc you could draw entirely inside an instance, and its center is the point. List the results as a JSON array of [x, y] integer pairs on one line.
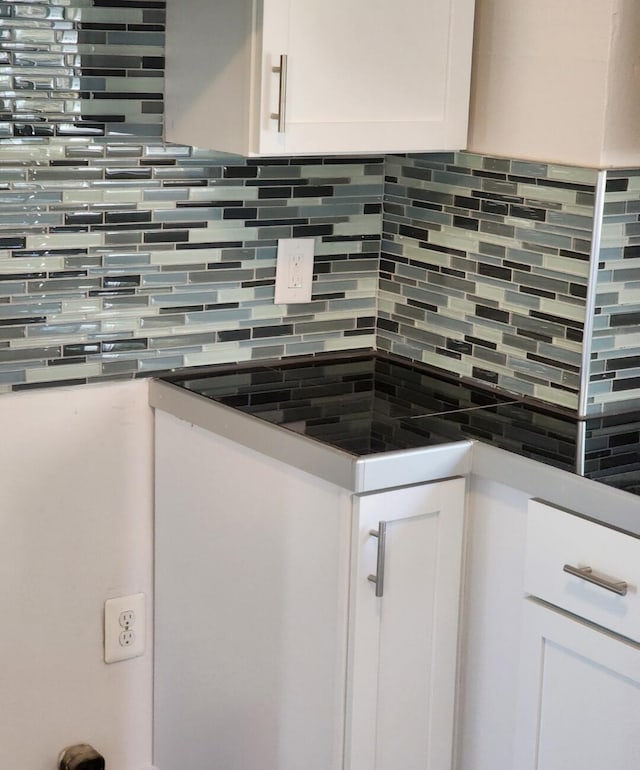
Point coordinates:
[[378, 578], [281, 115], [586, 573]]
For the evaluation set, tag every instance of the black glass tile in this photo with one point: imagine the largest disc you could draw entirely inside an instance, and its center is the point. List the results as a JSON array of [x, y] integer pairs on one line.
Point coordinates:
[[22, 321], [630, 383], [482, 311], [495, 207], [307, 231], [98, 61], [372, 403], [625, 319], [125, 217], [486, 375], [568, 185], [494, 271], [414, 232], [631, 252], [153, 62], [240, 213], [617, 185], [234, 335], [30, 129], [466, 223], [466, 202], [240, 172], [275, 192], [167, 236], [528, 212], [12, 242]]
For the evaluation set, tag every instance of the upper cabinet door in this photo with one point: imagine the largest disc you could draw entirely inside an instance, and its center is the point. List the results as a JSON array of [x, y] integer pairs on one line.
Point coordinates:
[[363, 76]]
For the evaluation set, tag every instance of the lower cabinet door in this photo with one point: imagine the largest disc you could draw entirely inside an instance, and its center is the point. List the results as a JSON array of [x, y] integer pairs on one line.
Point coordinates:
[[579, 695], [403, 641]]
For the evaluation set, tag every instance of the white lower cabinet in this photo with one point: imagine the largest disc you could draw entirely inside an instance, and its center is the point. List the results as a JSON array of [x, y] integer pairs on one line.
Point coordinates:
[[251, 603], [580, 695], [403, 644], [579, 684], [272, 651], [550, 664]]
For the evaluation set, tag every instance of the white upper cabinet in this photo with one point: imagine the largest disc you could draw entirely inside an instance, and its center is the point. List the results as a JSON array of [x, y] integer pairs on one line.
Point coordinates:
[[363, 76], [557, 81]]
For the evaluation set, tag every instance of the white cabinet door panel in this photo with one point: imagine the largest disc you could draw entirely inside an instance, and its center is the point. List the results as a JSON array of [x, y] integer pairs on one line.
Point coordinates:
[[403, 645], [367, 76], [364, 76], [580, 695]]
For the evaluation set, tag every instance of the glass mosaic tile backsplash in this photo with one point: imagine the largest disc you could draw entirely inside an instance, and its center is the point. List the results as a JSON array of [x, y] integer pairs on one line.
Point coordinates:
[[615, 343], [364, 404], [121, 256], [485, 268]]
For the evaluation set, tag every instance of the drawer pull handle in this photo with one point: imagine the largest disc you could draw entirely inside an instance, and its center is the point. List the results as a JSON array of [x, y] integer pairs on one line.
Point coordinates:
[[281, 115], [586, 573], [378, 578]]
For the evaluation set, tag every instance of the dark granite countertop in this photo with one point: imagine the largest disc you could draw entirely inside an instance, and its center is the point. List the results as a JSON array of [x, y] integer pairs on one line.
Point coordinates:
[[369, 404]]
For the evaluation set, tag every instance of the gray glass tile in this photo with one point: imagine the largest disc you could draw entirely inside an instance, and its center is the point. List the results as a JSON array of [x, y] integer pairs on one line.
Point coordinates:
[[93, 188]]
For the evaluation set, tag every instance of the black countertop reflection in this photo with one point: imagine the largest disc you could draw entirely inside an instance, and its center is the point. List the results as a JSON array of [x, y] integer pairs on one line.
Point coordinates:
[[369, 404]]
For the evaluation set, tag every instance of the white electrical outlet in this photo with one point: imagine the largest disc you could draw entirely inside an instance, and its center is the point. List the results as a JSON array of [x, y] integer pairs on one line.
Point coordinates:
[[124, 628], [294, 270]]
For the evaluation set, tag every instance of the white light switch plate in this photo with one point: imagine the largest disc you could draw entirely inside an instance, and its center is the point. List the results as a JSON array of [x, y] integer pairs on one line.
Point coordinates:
[[124, 628], [294, 270]]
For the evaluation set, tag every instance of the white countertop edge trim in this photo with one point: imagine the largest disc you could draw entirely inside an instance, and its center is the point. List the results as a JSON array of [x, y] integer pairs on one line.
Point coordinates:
[[413, 466]]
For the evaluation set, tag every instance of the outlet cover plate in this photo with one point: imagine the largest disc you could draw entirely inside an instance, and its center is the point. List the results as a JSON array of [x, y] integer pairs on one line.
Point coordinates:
[[124, 628], [294, 270]]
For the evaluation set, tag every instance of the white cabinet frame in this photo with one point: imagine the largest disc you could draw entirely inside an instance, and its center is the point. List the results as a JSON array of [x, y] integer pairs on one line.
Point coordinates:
[[363, 76]]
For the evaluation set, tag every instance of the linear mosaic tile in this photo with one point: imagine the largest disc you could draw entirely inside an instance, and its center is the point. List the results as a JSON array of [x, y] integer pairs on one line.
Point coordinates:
[[371, 404], [485, 267], [120, 255], [614, 377], [612, 450]]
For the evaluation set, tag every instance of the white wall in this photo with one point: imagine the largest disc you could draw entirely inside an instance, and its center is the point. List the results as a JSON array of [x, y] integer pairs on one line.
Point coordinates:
[[557, 81], [75, 529]]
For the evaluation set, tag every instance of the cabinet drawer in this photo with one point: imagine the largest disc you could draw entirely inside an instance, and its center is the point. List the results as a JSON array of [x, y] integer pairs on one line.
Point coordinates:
[[559, 543]]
